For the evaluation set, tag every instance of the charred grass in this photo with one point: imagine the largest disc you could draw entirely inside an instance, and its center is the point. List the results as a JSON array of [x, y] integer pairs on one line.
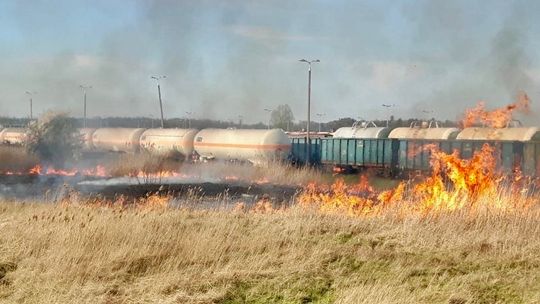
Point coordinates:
[[87, 254]]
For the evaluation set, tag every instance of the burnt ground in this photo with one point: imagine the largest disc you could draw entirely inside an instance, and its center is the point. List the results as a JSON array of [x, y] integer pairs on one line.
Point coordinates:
[[51, 188]]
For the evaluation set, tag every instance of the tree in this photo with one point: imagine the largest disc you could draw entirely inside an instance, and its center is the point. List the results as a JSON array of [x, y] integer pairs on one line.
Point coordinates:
[[282, 117], [55, 139]]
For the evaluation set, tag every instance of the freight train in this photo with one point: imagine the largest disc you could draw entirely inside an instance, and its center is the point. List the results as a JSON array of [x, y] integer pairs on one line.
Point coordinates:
[[255, 146], [406, 150], [363, 146]]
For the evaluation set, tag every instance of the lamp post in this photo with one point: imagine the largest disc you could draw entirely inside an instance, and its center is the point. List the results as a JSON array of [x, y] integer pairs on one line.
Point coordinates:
[[31, 102], [320, 115], [269, 117], [309, 62], [84, 88], [189, 118], [157, 78], [388, 106]]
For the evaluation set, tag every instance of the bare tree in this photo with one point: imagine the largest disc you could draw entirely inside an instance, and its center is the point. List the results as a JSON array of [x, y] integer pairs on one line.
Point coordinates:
[[282, 117]]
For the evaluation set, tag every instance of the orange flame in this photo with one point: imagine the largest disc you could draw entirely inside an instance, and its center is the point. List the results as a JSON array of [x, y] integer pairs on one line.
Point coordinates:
[[498, 118], [454, 184]]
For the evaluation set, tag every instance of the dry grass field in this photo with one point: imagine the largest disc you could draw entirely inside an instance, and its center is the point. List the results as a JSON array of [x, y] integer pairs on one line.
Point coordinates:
[[88, 253]]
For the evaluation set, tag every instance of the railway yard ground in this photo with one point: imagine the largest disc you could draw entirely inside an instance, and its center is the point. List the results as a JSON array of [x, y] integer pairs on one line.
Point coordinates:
[[87, 253]]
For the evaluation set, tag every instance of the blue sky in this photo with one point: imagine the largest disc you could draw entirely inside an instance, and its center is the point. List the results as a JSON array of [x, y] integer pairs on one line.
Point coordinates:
[[228, 58]]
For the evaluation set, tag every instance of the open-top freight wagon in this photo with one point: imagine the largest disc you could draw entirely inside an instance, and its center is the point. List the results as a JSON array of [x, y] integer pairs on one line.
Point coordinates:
[[408, 150]]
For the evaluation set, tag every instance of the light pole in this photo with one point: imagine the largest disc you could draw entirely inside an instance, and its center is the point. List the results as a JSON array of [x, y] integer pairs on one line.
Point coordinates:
[[31, 102], [269, 117], [157, 78], [388, 106], [189, 118], [84, 88], [240, 117], [309, 62], [320, 115]]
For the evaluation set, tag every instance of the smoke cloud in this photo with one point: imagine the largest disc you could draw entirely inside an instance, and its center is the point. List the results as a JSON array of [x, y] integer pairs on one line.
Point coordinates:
[[223, 59]]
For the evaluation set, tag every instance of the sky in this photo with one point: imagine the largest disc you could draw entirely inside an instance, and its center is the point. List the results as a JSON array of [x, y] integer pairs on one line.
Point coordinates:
[[226, 58]]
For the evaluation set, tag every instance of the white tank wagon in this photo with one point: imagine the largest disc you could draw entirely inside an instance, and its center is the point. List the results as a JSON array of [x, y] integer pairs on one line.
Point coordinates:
[[86, 138], [362, 130], [256, 146], [117, 139], [168, 142], [503, 134], [13, 136], [424, 131]]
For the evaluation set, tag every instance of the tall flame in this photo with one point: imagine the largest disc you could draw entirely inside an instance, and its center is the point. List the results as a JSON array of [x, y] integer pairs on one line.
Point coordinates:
[[498, 118], [454, 184]]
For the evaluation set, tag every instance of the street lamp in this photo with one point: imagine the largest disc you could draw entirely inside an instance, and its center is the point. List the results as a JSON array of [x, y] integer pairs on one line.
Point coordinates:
[[269, 117], [157, 78], [388, 106], [31, 103], [320, 115], [189, 118], [309, 62], [84, 88]]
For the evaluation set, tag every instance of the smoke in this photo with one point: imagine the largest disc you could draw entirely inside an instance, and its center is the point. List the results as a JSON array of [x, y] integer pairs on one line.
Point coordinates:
[[223, 59], [478, 62]]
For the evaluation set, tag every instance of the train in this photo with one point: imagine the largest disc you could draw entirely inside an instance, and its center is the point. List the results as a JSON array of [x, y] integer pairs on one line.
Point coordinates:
[[404, 151], [250, 145], [391, 152]]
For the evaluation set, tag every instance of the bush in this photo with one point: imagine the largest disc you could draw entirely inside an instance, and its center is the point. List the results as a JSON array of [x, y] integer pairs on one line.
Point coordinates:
[[55, 139]]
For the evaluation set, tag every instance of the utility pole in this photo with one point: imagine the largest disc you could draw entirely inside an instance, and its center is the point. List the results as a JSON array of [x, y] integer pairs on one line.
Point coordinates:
[[189, 119], [84, 88], [309, 62], [269, 117], [157, 78], [320, 115], [31, 103], [388, 106]]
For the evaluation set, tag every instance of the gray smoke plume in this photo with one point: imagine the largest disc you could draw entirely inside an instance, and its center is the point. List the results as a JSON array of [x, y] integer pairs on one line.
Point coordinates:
[[223, 59]]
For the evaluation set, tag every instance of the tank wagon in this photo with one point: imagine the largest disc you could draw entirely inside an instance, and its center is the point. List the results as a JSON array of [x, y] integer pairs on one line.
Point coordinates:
[[168, 142], [117, 139], [13, 136], [86, 138], [362, 130], [255, 146]]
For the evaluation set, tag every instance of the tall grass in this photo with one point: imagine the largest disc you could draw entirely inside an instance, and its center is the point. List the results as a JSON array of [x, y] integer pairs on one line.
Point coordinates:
[[87, 253]]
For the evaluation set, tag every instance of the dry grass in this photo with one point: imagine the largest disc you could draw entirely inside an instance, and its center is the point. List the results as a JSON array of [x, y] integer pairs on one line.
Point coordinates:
[[16, 159], [85, 254]]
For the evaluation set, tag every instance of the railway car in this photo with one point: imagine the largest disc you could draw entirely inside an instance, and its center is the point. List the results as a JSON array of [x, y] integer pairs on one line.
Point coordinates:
[[125, 140], [168, 142], [86, 138], [518, 148], [14, 136], [255, 146], [362, 130]]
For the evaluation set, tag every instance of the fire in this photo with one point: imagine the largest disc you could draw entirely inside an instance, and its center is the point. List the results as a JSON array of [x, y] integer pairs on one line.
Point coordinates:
[[498, 118], [454, 184], [98, 171]]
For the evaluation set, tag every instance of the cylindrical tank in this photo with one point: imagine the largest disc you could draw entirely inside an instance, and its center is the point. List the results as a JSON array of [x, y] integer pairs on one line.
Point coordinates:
[[512, 134], [13, 136], [367, 133], [117, 139], [424, 133], [86, 137], [168, 141], [256, 146]]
